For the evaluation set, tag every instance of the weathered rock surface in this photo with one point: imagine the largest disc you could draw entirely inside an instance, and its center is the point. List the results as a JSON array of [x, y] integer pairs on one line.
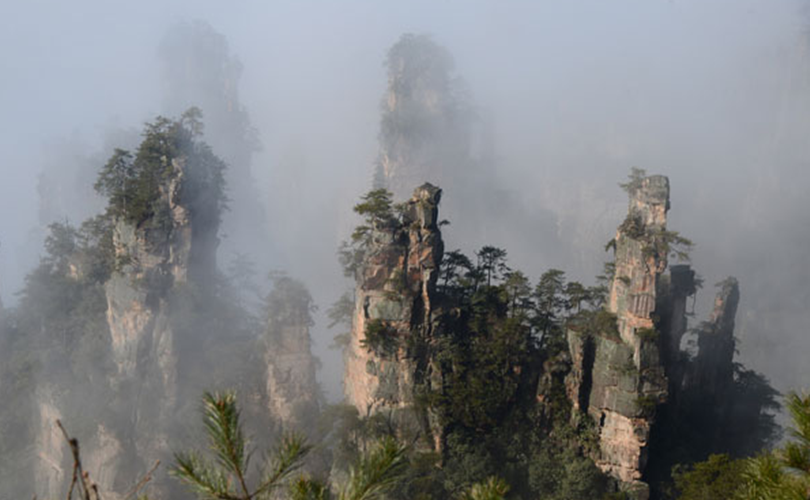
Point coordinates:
[[157, 257], [424, 134], [292, 392], [48, 449], [395, 288], [714, 367], [618, 376], [674, 290]]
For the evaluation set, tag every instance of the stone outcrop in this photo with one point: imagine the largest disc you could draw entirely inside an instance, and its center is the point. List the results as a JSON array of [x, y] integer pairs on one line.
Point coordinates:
[[292, 393], [714, 366], [424, 134], [618, 375], [149, 326], [156, 257], [48, 449], [674, 290], [395, 293]]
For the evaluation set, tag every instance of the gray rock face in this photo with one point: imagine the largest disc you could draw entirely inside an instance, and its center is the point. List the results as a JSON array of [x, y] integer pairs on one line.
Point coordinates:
[[674, 290], [714, 368], [155, 261], [618, 376], [424, 131], [291, 388], [396, 288]]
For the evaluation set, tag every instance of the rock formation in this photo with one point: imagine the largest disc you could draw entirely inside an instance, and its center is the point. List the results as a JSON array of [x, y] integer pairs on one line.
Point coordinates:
[[292, 392], [714, 367], [423, 136], [618, 377], [394, 301], [152, 325], [674, 290], [157, 258]]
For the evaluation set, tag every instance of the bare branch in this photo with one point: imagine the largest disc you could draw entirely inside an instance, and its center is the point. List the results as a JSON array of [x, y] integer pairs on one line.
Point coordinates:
[[140, 484]]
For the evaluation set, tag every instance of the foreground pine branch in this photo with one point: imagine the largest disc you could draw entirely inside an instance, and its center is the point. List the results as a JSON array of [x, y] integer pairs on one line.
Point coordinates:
[[227, 477]]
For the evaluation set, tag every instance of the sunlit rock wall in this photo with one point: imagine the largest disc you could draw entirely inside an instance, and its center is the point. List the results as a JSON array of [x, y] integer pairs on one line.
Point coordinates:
[[396, 286]]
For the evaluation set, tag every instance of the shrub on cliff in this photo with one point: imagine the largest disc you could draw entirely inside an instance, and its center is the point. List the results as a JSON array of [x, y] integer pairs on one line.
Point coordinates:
[[133, 183]]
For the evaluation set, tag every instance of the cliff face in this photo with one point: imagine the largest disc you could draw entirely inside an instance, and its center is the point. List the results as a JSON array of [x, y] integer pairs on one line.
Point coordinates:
[[424, 131], [154, 258], [674, 290], [127, 320], [292, 393], [48, 448], [394, 297], [713, 369], [618, 377]]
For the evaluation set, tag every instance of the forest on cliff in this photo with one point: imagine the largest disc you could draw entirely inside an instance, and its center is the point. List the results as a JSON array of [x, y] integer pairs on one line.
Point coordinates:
[[167, 342]]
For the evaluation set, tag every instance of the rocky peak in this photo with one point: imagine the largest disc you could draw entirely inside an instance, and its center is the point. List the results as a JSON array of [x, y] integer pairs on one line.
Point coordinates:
[[291, 388], [154, 256], [674, 289], [423, 133], [394, 299], [618, 377], [714, 367]]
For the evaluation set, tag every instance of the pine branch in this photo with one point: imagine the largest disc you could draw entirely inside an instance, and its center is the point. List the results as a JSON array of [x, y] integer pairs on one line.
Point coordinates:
[[376, 472], [221, 420], [288, 457]]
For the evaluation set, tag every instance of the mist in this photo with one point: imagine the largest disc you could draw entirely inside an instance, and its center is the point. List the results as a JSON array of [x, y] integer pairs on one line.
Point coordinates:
[[716, 95]]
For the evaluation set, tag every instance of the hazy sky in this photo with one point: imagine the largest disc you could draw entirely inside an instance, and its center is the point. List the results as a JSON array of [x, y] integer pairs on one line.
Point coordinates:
[[713, 93]]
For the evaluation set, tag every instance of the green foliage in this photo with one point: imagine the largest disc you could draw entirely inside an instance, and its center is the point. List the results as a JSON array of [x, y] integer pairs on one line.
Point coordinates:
[[598, 294], [662, 243], [340, 314], [550, 300], [227, 478], [308, 489], [376, 473], [739, 424], [492, 263], [493, 488], [647, 334], [575, 294], [718, 478], [458, 276], [518, 293], [602, 322], [635, 179], [350, 257], [288, 303], [558, 468], [380, 338], [783, 474], [646, 405], [377, 210], [134, 184], [633, 227]]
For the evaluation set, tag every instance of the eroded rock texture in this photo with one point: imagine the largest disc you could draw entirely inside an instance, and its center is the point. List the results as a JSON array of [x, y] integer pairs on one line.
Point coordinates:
[[175, 248], [292, 394], [167, 331], [674, 291], [395, 296], [424, 131], [714, 368], [618, 376]]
